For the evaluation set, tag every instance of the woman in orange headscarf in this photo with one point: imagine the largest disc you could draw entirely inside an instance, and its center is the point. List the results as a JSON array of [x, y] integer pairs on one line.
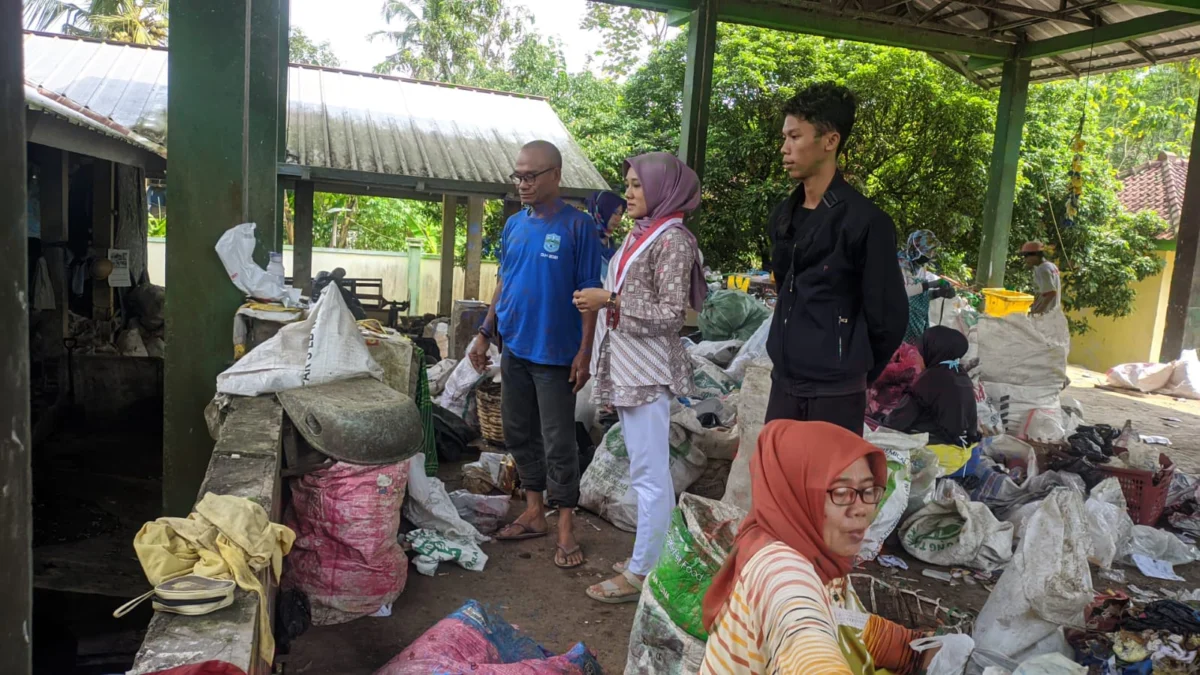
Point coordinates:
[[782, 603]]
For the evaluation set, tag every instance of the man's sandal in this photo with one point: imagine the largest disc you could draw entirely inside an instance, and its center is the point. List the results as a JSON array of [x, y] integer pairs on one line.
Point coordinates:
[[612, 594], [620, 567], [563, 554], [523, 532]]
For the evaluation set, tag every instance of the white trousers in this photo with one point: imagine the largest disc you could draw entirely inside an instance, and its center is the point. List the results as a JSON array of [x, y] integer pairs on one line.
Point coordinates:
[[646, 429]]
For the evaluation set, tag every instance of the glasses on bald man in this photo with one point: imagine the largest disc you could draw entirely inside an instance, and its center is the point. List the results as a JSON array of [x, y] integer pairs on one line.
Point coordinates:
[[518, 178]]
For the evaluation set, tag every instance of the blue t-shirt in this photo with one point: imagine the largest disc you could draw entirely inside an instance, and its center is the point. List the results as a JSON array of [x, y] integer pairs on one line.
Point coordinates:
[[543, 261]]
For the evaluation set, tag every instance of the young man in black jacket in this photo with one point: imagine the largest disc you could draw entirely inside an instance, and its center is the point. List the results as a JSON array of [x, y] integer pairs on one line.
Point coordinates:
[[842, 309]]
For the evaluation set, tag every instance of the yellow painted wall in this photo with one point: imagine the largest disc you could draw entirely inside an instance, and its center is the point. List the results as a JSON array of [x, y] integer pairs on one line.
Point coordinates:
[[1131, 339], [391, 267]]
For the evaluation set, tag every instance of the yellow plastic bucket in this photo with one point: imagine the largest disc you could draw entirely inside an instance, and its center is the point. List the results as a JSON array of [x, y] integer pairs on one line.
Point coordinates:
[[1002, 302]]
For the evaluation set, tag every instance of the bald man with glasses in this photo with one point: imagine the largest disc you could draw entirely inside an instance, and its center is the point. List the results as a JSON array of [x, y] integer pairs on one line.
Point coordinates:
[[547, 252]]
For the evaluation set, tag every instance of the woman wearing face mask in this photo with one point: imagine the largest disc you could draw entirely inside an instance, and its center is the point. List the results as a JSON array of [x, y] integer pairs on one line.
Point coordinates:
[[606, 209], [782, 602], [640, 366]]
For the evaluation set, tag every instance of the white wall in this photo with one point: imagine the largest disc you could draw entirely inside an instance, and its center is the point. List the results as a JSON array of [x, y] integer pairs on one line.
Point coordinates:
[[391, 267]]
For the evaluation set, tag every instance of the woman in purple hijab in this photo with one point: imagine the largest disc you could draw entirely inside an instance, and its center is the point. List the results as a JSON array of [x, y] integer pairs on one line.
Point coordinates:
[[640, 364]]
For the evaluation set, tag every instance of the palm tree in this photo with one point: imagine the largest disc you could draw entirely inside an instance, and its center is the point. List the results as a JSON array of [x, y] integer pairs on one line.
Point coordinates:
[[136, 21]]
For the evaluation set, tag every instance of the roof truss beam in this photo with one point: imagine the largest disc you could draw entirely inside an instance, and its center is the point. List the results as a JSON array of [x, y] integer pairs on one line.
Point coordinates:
[[813, 18], [1133, 29], [1188, 6]]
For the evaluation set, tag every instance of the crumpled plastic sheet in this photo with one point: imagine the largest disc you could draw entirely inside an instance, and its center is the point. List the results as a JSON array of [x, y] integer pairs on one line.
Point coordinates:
[[433, 548]]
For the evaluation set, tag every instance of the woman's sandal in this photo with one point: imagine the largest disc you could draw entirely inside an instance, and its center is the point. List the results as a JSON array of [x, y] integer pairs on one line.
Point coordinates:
[[620, 567], [612, 594]]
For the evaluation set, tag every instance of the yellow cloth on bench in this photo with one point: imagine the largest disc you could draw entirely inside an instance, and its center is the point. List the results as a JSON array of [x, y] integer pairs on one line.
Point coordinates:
[[225, 537]]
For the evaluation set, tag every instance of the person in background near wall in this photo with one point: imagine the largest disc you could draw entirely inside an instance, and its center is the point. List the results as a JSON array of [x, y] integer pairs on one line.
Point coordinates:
[[547, 252], [1045, 278], [782, 601], [641, 365], [842, 310], [606, 208]]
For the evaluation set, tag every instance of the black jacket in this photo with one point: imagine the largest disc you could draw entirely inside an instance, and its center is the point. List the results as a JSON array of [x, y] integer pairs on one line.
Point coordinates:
[[842, 309]]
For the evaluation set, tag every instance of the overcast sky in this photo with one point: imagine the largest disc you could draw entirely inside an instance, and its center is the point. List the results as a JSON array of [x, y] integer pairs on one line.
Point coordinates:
[[346, 24]]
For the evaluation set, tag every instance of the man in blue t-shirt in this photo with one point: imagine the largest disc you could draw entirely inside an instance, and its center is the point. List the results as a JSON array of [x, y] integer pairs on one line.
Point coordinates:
[[547, 252]]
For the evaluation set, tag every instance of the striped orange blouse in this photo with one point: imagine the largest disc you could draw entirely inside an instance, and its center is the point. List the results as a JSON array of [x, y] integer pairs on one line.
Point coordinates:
[[779, 620]]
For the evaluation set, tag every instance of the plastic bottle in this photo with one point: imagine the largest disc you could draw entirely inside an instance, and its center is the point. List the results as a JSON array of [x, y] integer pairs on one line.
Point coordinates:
[[275, 267]]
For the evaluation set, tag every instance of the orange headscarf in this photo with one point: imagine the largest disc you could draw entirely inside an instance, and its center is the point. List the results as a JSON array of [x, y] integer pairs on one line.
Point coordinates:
[[790, 474]]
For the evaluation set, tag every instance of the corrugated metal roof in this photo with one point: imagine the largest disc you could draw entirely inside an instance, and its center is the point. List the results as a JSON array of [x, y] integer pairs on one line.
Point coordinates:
[[116, 90], [338, 120], [380, 124], [1171, 45]]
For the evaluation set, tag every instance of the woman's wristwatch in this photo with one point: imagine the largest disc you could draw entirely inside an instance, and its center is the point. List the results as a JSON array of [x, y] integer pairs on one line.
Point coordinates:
[[612, 302]]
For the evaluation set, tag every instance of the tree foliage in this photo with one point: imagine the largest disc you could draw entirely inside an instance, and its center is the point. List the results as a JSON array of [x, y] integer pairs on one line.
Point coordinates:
[[919, 146], [142, 22], [302, 49], [629, 35], [450, 40]]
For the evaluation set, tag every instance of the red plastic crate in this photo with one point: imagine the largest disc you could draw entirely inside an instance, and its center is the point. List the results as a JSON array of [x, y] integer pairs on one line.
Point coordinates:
[[1146, 500]]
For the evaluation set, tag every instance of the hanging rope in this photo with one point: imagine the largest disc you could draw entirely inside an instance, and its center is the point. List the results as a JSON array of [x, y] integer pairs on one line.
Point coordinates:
[[1075, 175]]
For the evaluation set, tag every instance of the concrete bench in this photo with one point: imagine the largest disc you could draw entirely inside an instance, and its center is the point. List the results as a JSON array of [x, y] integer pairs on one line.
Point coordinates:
[[245, 463]]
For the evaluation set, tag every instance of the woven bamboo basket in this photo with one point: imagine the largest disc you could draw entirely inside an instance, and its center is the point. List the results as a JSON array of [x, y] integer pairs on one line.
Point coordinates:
[[487, 399]]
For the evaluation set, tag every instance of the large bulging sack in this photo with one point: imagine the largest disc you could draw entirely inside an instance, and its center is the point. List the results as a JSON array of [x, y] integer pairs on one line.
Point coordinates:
[[752, 413], [731, 315], [606, 487], [325, 347], [346, 557], [659, 647], [1024, 350], [1145, 377], [959, 533], [1047, 586], [476, 640], [1029, 412], [700, 538], [897, 447]]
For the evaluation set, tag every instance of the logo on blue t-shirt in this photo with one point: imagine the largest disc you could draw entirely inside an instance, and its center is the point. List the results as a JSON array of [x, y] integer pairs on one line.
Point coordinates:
[[552, 244]]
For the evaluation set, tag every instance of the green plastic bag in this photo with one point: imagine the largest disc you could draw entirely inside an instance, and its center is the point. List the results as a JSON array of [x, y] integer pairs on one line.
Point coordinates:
[[701, 535], [731, 315]]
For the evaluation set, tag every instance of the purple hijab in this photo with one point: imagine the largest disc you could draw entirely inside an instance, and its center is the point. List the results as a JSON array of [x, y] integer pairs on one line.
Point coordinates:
[[670, 187]]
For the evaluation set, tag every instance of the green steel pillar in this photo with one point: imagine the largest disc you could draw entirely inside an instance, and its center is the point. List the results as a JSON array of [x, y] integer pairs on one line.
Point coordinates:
[[16, 593], [1002, 177], [302, 230], [474, 248], [262, 126], [223, 172], [285, 12], [1180, 330], [415, 248], [697, 84], [446, 290]]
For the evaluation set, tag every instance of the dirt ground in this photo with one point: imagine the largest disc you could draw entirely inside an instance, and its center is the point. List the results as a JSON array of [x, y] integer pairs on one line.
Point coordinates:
[[549, 603]]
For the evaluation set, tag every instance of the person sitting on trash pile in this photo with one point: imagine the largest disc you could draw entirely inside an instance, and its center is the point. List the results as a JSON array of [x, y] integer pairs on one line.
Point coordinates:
[[1046, 278], [782, 602], [920, 284], [941, 402]]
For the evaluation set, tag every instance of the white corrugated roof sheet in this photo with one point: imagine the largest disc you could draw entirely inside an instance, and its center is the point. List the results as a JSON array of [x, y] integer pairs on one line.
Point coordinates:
[[365, 123]]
